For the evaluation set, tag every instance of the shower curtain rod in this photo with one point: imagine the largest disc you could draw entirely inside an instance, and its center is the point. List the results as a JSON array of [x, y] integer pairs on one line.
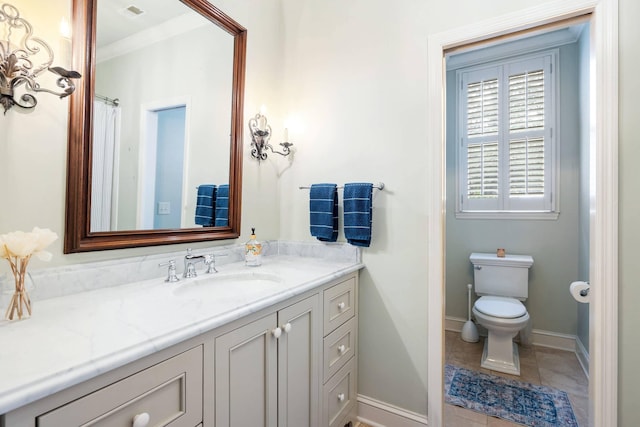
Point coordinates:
[[115, 101]]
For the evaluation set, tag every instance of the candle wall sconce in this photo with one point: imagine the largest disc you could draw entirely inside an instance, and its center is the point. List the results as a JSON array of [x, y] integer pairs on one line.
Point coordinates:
[[260, 134], [23, 58]]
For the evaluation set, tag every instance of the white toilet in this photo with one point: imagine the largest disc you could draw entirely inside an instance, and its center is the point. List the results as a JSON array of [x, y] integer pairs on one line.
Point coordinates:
[[502, 284]]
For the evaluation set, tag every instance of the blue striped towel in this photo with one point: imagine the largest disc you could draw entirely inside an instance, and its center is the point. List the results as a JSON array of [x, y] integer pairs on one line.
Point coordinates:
[[323, 212], [205, 205], [358, 213], [222, 206]]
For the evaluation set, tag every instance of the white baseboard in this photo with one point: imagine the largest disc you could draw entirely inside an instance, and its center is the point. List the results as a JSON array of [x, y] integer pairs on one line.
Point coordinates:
[[583, 356], [453, 324], [379, 414], [553, 340], [538, 337]]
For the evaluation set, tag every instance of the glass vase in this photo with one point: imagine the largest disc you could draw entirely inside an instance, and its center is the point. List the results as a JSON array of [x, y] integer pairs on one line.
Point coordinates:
[[20, 303]]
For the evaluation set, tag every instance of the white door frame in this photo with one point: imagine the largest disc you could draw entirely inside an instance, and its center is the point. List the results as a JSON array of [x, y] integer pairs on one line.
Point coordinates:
[[603, 257]]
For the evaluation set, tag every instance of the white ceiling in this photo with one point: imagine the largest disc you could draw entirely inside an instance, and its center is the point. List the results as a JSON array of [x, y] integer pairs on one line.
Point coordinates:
[[114, 23]]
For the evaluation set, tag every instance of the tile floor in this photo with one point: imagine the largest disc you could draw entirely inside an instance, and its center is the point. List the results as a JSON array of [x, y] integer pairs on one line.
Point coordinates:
[[538, 365]]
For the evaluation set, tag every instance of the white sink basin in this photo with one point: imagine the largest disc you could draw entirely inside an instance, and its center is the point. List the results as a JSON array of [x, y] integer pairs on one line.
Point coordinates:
[[224, 282]]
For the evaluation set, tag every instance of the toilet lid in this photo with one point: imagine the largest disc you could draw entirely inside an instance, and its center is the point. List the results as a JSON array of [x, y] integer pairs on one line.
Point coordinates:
[[507, 308]]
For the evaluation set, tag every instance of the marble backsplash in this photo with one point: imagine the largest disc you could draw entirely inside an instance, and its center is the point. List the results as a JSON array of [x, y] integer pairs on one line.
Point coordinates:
[[54, 282]]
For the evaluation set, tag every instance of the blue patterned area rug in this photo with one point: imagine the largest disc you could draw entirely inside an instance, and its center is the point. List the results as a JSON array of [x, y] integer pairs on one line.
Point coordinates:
[[519, 402]]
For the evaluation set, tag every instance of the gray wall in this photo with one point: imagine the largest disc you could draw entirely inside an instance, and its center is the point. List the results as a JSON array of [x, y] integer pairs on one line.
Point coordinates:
[[583, 220], [553, 244]]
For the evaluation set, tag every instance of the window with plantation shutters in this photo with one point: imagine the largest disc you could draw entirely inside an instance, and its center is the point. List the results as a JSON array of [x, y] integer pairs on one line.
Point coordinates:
[[482, 165], [505, 126], [526, 167]]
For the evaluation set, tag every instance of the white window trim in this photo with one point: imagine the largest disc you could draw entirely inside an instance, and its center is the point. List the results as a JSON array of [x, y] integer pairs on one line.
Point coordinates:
[[552, 214], [519, 215]]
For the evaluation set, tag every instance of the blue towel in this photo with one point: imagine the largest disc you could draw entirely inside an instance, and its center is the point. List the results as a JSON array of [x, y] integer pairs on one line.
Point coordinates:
[[205, 205], [222, 206], [358, 213], [323, 212]]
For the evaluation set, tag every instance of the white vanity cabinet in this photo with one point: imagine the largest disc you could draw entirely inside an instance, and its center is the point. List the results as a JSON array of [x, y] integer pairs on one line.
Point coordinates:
[[166, 393], [155, 396], [294, 367], [267, 371], [339, 353], [291, 364]]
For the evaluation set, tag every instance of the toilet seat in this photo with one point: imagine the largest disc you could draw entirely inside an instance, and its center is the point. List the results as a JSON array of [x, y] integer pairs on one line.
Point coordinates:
[[500, 307]]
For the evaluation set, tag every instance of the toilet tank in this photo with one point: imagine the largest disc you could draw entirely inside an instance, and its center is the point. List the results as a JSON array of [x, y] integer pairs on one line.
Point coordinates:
[[506, 276]]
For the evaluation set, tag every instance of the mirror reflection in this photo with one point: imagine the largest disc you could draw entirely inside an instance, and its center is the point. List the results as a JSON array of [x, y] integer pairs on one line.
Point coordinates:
[[162, 114], [176, 69]]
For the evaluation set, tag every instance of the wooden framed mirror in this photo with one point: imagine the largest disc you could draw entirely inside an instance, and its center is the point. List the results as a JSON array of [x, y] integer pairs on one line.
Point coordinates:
[[178, 122]]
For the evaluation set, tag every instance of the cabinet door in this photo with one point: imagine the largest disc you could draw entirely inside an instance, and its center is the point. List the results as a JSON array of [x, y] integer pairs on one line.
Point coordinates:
[[246, 376], [299, 364]]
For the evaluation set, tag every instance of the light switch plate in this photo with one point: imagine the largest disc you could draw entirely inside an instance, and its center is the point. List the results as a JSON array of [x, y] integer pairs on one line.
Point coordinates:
[[164, 208]]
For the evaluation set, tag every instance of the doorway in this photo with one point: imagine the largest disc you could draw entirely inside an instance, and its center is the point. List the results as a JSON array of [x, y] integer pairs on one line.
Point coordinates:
[[536, 118], [169, 168], [162, 165], [603, 202]]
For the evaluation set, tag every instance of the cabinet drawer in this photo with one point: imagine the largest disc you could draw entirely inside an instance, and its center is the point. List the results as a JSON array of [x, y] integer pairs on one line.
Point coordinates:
[[339, 346], [339, 304], [339, 394], [160, 391]]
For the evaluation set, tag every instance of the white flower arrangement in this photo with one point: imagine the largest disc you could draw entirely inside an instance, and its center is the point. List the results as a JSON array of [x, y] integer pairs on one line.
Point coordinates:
[[18, 247]]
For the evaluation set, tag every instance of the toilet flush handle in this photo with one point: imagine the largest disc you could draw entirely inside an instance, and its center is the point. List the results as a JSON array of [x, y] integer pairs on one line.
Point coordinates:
[[477, 267]]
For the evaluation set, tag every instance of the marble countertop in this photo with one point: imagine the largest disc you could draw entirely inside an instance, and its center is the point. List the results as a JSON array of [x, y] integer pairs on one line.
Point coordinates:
[[73, 338]]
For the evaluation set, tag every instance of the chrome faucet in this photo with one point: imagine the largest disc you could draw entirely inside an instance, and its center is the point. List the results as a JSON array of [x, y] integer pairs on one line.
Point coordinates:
[[171, 273], [189, 264], [210, 262]]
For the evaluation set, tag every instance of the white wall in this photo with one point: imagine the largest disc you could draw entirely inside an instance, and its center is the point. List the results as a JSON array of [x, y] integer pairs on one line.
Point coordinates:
[[33, 145], [629, 232], [362, 87], [356, 73]]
